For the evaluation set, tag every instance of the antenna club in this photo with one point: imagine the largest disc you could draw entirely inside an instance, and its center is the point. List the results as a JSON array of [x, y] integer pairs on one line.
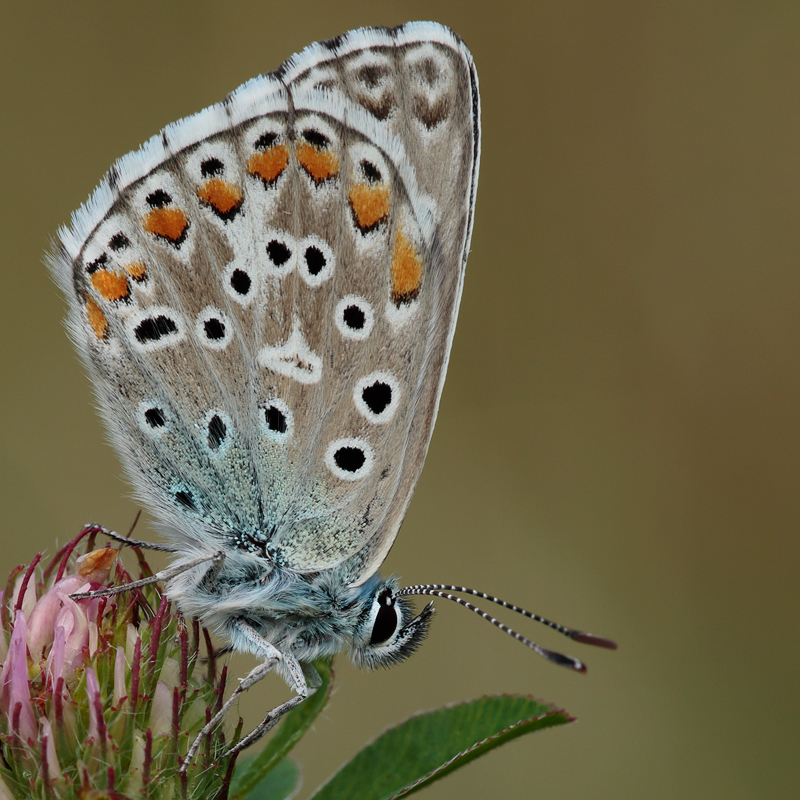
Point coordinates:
[[597, 641]]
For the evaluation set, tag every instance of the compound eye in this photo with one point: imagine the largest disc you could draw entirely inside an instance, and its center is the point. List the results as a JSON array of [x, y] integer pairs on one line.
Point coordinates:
[[385, 623]]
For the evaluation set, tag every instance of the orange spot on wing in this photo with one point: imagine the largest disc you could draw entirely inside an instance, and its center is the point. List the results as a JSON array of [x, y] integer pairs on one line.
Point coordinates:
[[319, 164], [370, 204], [406, 273], [110, 285], [222, 196], [268, 164], [167, 223], [97, 319], [137, 270]]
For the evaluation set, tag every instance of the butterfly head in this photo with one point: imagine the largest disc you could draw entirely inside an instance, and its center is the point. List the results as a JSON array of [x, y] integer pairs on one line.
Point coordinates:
[[387, 632]]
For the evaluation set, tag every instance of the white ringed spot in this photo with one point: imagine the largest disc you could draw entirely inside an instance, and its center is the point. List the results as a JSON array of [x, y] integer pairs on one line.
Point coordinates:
[[349, 459], [280, 251], [154, 328], [276, 420], [315, 260], [239, 282], [354, 317], [216, 428], [377, 396], [153, 418], [213, 328]]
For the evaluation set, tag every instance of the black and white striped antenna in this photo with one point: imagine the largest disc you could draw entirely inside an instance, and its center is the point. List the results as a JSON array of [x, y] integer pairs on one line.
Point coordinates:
[[445, 590]]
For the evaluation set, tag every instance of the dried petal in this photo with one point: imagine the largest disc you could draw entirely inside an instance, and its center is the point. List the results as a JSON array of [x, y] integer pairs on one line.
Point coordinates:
[[95, 567]]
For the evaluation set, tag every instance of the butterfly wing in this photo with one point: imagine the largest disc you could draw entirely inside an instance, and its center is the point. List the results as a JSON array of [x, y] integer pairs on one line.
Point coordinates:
[[404, 106], [266, 293]]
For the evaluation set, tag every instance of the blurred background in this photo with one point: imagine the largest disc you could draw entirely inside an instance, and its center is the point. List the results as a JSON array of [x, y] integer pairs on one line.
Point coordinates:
[[618, 444]]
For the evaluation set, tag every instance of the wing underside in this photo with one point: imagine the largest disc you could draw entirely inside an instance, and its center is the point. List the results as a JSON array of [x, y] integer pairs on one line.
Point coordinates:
[[266, 297]]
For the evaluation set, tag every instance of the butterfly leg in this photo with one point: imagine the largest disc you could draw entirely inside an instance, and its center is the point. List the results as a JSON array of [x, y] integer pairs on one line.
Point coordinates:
[[302, 686], [271, 657], [164, 575]]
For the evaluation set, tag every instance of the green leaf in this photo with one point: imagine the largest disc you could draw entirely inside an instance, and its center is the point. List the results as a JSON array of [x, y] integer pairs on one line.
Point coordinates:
[[278, 784], [289, 732], [432, 744]]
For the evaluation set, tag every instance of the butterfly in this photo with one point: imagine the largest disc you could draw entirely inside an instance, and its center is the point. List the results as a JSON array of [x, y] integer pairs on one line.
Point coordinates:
[[265, 296]]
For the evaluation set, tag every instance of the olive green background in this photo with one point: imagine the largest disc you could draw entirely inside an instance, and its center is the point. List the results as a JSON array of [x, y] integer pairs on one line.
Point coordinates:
[[619, 438]]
